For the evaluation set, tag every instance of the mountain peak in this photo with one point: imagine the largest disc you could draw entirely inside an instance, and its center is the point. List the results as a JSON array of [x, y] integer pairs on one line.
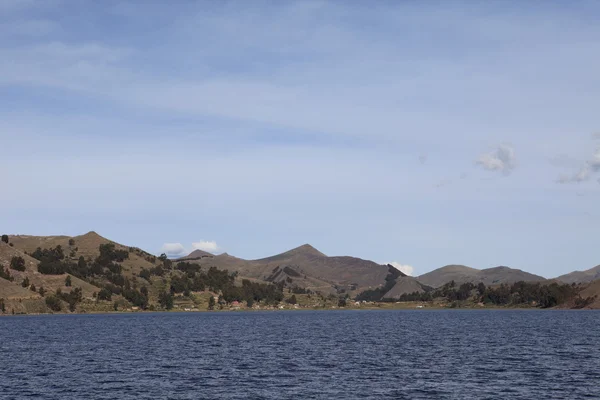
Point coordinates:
[[91, 235], [306, 249], [199, 253]]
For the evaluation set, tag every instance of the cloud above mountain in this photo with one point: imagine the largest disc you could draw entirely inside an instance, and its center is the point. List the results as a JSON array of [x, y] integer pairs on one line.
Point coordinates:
[[206, 245], [404, 268], [502, 159], [173, 249]]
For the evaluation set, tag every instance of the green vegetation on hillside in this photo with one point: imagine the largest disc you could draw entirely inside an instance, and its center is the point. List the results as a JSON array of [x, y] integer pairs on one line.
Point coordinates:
[[519, 293]]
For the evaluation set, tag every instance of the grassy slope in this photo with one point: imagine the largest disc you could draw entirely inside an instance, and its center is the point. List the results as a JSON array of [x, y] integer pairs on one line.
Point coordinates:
[[87, 246], [49, 282], [13, 290]]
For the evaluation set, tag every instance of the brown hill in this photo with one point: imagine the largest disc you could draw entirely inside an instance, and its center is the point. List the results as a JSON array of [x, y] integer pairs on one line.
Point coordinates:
[[86, 245], [306, 267], [49, 282], [592, 289], [490, 276], [581, 276]]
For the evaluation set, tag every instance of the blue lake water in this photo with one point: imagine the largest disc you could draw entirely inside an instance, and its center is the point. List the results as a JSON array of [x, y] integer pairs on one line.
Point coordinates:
[[449, 354]]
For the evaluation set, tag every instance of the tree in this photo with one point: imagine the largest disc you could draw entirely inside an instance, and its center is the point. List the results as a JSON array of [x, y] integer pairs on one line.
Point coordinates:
[[481, 288], [32, 287], [211, 303], [165, 300], [17, 263], [68, 281], [5, 238], [71, 242], [104, 294], [42, 291], [250, 302], [292, 300], [342, 302], [144, 291], [2, 306], [53, 303], [25, 282]]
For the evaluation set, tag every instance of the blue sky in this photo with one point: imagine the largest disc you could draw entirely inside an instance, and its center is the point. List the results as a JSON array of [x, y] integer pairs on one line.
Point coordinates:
[[424, 133]]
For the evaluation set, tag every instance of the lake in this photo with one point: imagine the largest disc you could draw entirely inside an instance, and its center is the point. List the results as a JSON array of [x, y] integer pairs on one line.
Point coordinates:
[[420, 354]]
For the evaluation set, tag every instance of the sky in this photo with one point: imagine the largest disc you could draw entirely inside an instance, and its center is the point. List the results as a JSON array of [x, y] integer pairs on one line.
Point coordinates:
[[422, 133]]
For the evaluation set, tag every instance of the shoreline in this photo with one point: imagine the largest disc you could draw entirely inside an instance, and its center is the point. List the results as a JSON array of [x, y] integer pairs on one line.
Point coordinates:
[[365, 309]]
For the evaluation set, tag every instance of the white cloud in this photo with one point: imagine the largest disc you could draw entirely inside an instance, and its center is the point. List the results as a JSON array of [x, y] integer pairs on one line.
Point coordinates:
[[173, 249], [206, 245], [585, 173], [407, 269], [501, 159]]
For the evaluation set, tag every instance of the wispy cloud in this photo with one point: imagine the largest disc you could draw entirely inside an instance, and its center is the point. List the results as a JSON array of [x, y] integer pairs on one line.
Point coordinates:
[[501, 159], [591, 167]]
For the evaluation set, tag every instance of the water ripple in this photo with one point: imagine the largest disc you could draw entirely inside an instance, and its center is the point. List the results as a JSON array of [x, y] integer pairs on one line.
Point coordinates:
[[313, 355]]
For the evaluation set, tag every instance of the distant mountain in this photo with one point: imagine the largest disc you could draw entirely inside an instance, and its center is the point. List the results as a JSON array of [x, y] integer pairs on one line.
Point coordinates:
[[306, 267], [490, 276], [581, 276]]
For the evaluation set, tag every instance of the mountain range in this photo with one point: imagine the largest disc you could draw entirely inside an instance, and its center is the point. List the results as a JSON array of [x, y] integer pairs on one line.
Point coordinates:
[[303, 267]]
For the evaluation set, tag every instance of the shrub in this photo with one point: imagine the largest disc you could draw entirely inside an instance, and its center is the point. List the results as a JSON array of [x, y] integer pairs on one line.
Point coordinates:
[[104, 294], [25, 282], [53, 303], [68, 281], [42, 291], [5, 238], [71, 242], [17, 263], [5, 273]]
